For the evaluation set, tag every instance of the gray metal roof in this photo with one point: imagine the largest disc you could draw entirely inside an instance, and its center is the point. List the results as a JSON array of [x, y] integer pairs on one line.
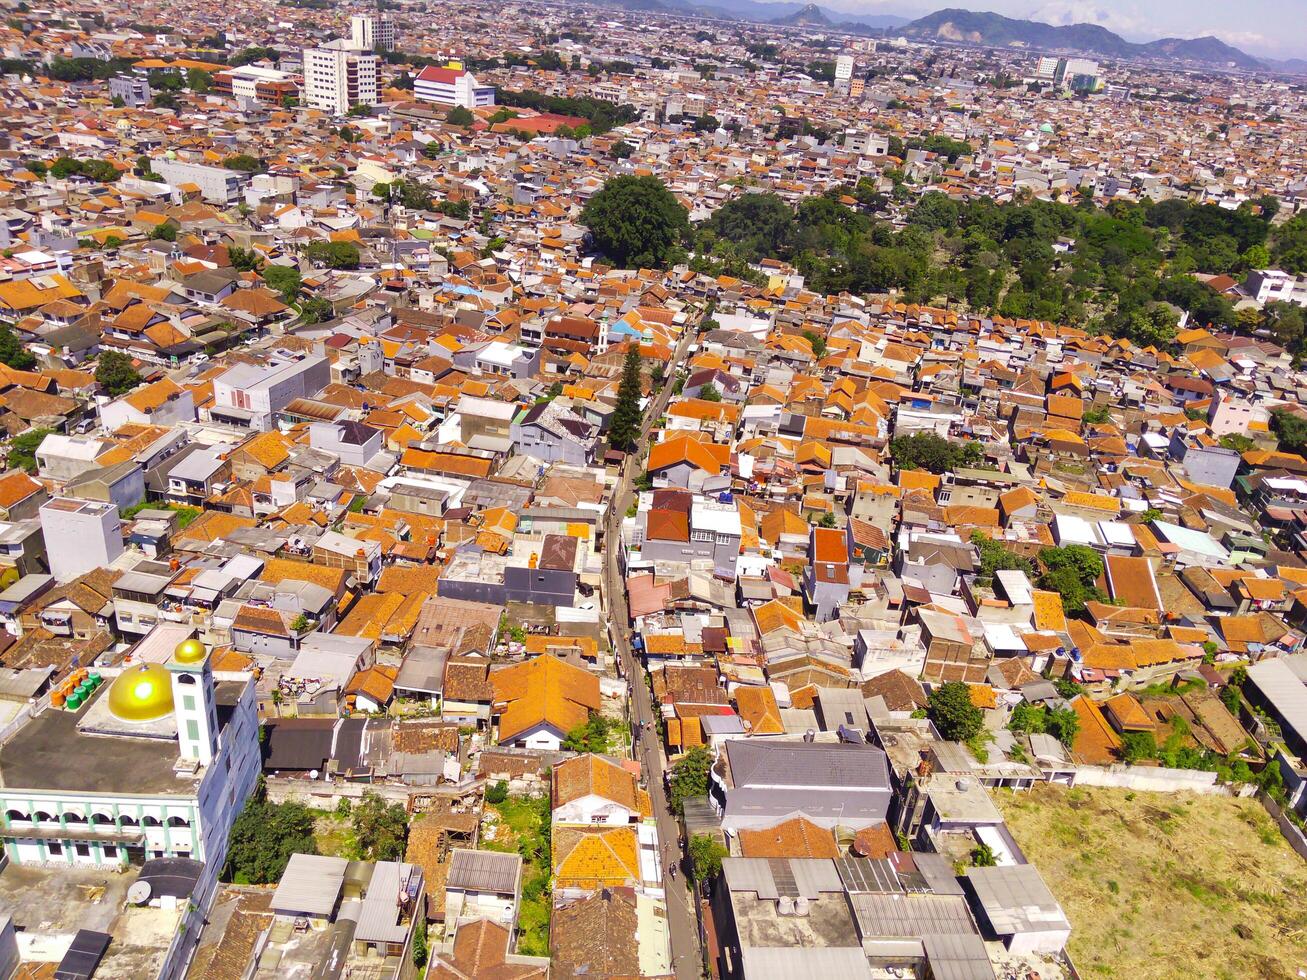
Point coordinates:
[[1283, 687], [310, 885], [805, 963], [484, 871], [1016, 900], [379, 918], [770, 878]]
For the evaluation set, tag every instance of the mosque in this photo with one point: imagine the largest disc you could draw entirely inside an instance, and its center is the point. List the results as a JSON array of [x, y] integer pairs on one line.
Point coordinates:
[[154, 762]]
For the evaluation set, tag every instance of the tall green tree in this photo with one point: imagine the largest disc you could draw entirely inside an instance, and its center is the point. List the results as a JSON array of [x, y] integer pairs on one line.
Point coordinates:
[[950, 709], [689, 778], [264, 836], [380, 828], [624, 430], [637, 221], [12, 352], [115, 373]]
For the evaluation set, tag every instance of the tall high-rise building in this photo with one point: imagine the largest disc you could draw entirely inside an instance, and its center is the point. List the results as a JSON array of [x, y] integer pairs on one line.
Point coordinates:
[[337, 76], [372, 33], [843, 73]]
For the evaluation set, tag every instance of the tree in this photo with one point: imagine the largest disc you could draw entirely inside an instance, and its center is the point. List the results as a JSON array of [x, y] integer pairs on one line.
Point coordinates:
[[636, 221], [622, 149], [689, 778], [285, 279], [460, 116], [359, 110], [12, 352], [165, 100], [1063, 724], [1138, 745], [497, 793], [709, 393], [264, 836], [199, 81], [420, 951], [244, 259], [624, 430], [995, 558], [818, 343], [982, 856], [164, 231], [927, 451], [593, 735], [380, 828], [299, 624], [243, 162], [706, 853], [115, 373], [334, 255], [950, 709], [316, 310], [1289, 427], [1072, 571], [22, 450]]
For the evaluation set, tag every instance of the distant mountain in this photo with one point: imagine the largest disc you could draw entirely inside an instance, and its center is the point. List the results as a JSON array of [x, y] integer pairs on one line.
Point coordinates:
[[786, 12], [983, 27], [810, 15]]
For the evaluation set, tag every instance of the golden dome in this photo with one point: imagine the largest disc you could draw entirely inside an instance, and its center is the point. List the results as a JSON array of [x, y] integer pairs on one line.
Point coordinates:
[[189, 651], [141, 693]]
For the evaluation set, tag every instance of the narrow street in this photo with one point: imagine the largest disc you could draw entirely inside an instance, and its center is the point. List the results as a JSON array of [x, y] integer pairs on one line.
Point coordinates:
[[687, 958]]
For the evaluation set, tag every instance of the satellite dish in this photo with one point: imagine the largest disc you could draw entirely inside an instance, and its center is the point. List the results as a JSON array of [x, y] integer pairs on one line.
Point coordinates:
[[138, 893], [313, 774]]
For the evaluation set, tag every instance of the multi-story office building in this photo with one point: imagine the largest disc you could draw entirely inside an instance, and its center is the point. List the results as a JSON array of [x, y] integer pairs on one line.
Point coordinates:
[[338, 76], [372, 33]]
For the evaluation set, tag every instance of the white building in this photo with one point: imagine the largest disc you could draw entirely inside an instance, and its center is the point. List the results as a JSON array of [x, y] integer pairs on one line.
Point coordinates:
[[336, 77], [452, 86], [843, 72], [372, 33], [1273, 286], [218, 185], [80, 535], [250, 395], [163, 403], [156, 762]]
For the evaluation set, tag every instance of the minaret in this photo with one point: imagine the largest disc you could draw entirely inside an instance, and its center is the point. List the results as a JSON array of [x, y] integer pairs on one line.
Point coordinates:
[[193, 701]]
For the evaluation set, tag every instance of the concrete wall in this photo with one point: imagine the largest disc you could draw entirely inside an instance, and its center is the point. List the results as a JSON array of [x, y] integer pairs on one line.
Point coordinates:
[[1151, 778]]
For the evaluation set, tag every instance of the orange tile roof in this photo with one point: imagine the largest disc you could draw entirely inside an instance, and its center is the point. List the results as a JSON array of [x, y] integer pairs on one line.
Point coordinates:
[[543, 691]]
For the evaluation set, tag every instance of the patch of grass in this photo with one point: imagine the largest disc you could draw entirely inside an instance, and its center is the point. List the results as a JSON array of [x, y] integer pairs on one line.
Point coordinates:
[[1180, 862], [335, 837], [523, 828]]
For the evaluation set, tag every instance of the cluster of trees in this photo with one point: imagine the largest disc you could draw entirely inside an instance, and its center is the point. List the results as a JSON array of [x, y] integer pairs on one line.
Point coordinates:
[[1289, 427], [637, 221], [334, 255], [264, 836], [244, 162], [1062, 723], [22, 449], [602, 115], [98, 170], [928, 451], [380, 828], [12, 352], [247, 56], [1126, 269], [86, 69]]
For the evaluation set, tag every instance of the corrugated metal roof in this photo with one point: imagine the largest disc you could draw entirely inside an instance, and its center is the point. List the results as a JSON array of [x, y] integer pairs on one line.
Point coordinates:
[[484, 871], [310, 885]]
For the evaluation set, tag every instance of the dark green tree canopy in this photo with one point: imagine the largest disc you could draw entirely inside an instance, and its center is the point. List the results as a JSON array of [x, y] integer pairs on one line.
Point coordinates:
[[115, 373], [637, 221], [950, 709]]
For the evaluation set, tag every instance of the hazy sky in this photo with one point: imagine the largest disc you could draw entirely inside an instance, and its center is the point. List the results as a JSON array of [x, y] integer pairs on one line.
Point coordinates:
[[1271, 27]]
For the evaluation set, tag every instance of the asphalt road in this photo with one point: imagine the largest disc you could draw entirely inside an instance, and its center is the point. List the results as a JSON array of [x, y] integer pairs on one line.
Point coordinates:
[[687, 955]]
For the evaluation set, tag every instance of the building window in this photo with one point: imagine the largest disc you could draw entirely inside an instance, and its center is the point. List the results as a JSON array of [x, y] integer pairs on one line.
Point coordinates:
[[54, 848], [110, 851], [82, 850]]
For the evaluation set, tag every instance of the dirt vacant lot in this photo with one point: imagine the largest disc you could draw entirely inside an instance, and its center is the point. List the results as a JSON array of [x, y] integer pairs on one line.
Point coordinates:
[[1161, 885]]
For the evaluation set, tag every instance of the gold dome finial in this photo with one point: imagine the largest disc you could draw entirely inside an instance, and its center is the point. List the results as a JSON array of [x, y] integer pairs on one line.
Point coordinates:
[[189, 651]]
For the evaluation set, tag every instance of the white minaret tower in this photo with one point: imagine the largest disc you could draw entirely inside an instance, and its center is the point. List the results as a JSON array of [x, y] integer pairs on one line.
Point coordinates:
[[193, 701]]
